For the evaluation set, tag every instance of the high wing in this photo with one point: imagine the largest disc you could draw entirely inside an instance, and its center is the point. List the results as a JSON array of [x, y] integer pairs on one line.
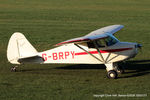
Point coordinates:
[[97, 34]]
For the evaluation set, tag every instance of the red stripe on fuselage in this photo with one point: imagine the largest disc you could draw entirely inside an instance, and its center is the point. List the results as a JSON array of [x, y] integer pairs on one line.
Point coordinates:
[[104, 51]]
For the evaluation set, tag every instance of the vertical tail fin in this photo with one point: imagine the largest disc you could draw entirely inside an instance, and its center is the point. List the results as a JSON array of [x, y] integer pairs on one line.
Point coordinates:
[[19, 47]]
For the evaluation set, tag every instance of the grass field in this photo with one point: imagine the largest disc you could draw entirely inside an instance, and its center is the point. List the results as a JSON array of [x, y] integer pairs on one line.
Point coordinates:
[[47, 22]]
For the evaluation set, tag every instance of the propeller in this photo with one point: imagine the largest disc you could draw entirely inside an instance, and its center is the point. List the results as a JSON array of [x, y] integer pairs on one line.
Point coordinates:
[[139, 46]]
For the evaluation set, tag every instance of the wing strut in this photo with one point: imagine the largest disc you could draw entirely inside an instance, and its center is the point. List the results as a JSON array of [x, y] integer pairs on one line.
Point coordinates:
[[88, 52], [99, 52]]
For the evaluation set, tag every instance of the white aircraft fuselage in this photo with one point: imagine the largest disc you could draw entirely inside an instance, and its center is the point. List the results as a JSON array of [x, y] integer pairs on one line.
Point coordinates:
[[98, 47], [70, 53]]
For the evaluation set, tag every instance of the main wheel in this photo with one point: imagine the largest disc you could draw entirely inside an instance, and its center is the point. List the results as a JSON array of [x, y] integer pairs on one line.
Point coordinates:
[[112, 74]]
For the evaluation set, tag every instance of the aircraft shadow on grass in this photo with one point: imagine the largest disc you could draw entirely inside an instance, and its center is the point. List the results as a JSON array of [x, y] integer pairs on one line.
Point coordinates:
[[135, 68]]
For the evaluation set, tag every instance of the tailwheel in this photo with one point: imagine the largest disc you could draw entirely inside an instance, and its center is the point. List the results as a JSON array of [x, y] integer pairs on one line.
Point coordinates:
[[13, 69], [112, 74]]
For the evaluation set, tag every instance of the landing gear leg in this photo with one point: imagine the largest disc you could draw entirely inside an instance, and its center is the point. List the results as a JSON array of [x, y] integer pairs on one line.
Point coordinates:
[[14, 69]]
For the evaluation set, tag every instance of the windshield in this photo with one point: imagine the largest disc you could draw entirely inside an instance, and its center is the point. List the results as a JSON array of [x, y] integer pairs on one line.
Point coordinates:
[[108, 41]]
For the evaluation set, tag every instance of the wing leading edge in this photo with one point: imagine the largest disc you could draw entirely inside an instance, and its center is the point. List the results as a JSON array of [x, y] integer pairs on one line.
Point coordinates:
[[97, 34]]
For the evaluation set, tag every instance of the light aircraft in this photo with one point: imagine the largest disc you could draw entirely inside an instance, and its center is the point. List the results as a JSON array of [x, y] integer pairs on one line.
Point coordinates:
[[97, 47]]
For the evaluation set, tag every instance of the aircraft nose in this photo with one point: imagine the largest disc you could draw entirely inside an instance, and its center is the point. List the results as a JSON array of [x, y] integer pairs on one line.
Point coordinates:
[[138, 46]]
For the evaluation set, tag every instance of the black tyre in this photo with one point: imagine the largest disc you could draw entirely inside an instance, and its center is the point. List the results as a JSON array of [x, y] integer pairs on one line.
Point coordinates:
[[112, 74]]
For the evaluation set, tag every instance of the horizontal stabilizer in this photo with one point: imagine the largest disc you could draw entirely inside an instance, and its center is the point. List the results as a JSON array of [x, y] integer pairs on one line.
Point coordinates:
[[31, 59]]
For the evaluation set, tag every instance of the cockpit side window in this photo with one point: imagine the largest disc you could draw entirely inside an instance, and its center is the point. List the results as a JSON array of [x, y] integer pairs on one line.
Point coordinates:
[[103, 42], [99, 43], [110, 41], [90, 44]]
